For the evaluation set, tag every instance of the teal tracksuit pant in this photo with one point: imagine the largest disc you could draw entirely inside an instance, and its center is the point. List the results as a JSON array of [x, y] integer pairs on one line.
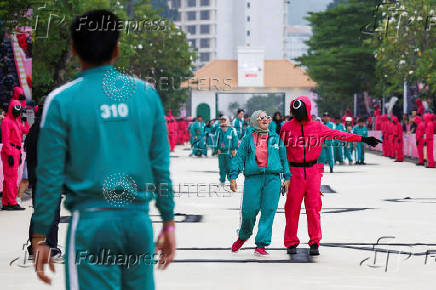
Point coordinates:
[[327, 154], [224, 163], [348, 150], [116, 264], [360, 152], [261, 193]]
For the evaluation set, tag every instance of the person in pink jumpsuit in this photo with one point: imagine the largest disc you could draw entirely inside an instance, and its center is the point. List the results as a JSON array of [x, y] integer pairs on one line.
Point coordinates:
[[398, 140], [19, 95], [171, 125], [13, 130], [383, 128], [303, 139], [429, 139], [420, 131]]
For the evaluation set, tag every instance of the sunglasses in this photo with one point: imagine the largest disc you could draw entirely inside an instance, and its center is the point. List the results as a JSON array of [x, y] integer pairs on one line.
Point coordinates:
[[264, 118]]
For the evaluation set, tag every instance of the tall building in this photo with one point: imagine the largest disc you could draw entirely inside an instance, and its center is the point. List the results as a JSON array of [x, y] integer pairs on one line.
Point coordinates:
[[296, 35], [216, 28]]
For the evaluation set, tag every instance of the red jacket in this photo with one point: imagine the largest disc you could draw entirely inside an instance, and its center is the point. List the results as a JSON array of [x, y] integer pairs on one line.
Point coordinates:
[[420, 129]]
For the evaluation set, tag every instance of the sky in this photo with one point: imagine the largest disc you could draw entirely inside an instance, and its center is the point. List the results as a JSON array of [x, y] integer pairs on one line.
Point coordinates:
[[298, 9]]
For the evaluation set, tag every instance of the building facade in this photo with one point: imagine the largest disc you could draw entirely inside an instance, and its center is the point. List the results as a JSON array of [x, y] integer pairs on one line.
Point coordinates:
[[295, 45], [216, 28]]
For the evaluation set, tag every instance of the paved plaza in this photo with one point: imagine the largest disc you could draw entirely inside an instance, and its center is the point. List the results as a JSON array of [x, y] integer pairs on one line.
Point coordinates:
[[386, 201]]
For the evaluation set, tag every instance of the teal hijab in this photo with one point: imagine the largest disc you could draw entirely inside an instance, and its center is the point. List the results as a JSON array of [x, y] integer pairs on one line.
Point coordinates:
[[255, 124]]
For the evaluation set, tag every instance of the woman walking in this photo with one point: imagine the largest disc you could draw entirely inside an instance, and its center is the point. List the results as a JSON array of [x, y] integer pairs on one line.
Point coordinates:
[[262, 157]]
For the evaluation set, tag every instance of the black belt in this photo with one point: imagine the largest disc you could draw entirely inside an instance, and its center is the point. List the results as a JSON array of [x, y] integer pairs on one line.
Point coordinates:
[[303, 164], [16, 146]]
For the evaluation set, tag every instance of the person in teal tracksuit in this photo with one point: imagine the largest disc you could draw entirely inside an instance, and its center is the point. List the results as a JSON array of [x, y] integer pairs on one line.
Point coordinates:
[[262, 157], [360, 129], [338, 144], [238, 123], [227, 143], [198, 136], [348, 148], [214, 129], [327, 154], [107, 150]]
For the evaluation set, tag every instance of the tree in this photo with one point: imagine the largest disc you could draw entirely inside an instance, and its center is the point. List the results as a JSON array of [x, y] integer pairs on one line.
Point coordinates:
[[14, 13], [338, 58], [154, 49], [269, 103], [405, 47]]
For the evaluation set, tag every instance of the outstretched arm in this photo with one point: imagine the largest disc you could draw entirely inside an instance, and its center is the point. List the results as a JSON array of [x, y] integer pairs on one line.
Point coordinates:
[[328, 133]]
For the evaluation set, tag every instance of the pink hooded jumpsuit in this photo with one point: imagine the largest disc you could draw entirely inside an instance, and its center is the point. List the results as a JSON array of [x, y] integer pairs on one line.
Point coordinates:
[[429, 139], [398, 139], [384, 130], [12, 137], [420, 130], [303, 143]]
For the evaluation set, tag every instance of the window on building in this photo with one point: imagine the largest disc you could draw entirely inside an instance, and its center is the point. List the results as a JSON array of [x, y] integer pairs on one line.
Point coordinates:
[[204, 29], [204, 15], [192, 29], [191, 3], [204, 56], [248, 18], [205, 3], [175, 4], [191, 15], [248, 32], [192, 43], [248, 4], [204, 43], [177, 16]]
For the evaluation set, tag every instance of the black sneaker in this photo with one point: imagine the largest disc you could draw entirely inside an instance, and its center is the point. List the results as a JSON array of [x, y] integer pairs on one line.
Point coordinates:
[[331, 170], [13, 207], [313, 251], [292, 250]]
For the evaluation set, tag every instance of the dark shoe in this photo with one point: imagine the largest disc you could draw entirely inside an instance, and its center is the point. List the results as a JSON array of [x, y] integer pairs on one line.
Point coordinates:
[[362, 163], [5, 207], [14, 207], [331, 170], [313, 251], [419, 164], [292, 250]]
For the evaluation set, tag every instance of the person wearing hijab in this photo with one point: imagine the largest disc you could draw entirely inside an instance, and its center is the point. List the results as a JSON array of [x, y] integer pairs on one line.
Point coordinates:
[[262, 157]]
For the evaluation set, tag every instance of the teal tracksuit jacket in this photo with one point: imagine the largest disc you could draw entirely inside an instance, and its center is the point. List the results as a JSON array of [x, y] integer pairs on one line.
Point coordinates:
[[360, 147], [226, 143], [238, 124], [198, 137], [261, 185], [339, 145], [107, 150]]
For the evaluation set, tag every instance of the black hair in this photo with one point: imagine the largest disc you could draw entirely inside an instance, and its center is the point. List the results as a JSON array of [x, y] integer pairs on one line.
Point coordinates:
[[241, 110], [95, 35]]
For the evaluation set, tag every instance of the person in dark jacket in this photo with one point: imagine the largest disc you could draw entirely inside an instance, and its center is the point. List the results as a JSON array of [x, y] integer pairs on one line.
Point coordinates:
[[30, 146]]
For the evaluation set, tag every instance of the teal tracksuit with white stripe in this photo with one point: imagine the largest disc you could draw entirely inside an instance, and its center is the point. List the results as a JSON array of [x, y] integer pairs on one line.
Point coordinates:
[[226, 142], [107, 150], [261, 185]]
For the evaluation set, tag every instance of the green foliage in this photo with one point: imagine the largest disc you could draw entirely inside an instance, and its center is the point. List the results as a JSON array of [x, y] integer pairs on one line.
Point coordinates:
[[405, 46], [12, 13], [269, 103], [158, 52], [338, 58]]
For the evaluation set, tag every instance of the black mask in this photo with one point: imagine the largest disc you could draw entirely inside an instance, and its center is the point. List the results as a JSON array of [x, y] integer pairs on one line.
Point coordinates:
[[21, 97], [299, 110], [16, 110]]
